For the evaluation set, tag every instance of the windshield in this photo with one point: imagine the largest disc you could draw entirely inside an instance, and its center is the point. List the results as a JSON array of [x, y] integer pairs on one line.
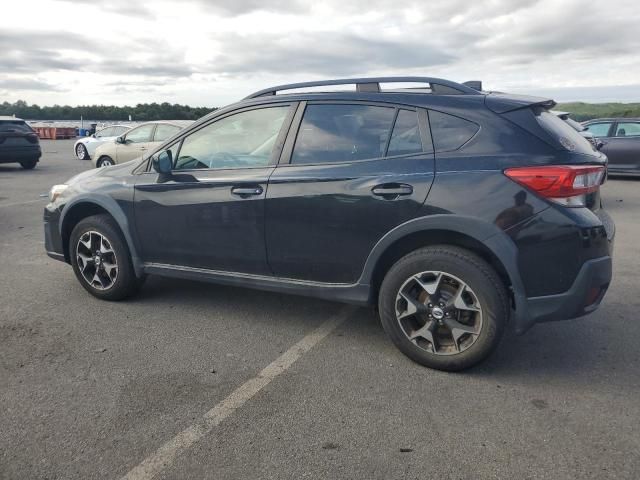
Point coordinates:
[[566, 134]]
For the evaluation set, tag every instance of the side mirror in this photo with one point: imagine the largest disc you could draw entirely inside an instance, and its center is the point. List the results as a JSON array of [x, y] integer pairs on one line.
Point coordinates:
[[163, 163], [121, 139], [93, 136], [599, 144]]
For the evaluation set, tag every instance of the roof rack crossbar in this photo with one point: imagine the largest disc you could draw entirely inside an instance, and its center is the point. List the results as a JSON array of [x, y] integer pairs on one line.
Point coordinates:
[[438, 85]]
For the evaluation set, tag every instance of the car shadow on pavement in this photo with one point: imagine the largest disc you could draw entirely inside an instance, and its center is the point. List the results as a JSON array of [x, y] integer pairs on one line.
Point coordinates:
[[573, 349]]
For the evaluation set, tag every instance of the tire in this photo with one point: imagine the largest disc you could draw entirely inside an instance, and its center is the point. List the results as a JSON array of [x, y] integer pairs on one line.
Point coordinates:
[[101, 232], [465, 314], [28, 164], [81, 152], [105, 161]]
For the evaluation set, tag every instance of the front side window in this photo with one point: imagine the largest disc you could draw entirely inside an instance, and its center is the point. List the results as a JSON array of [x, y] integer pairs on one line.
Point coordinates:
[[599, 129], [342, 133], [119, 131], [105, 132], [242, 140], [164, 132], [450, 132], [628, 129], [140, 135], [405, 138]]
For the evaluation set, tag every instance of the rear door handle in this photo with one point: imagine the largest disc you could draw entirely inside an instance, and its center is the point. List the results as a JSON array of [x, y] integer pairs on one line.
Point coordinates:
[[247, 191], [389, 191]]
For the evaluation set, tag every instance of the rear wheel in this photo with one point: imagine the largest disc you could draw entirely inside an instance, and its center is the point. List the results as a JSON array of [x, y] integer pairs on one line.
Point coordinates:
[[28, 164], [444, 307], [105, 162], [101, 260], [81, 152]]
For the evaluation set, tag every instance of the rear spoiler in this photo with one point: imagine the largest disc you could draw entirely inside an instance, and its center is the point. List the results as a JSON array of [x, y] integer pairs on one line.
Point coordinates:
[[502, 103]]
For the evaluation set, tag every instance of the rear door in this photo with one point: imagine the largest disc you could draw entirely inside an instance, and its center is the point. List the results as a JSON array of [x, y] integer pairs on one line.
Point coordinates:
[[623, 148], [343, 181]]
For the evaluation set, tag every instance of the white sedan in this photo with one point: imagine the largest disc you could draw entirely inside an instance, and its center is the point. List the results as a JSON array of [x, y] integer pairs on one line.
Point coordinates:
[[85, 147]]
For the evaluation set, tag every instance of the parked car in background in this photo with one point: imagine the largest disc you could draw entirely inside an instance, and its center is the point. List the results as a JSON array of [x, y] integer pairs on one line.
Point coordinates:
[[85, 147], [19, 143], [578, 127], [456, 212], [620, 139], [136, 142]]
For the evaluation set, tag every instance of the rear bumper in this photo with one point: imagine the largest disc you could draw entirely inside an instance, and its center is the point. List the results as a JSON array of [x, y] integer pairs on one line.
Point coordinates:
[[582, 298], [18, 154]]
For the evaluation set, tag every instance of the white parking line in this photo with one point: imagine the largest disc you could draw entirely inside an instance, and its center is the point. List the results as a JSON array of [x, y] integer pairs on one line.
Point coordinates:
[[164, 456]]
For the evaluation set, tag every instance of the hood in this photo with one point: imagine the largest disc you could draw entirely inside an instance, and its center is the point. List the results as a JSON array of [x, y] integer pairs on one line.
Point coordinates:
[[121, 170]]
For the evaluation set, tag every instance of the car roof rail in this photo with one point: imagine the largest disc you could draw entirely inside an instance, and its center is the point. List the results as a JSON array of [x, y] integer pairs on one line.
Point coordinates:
[[437, 86]]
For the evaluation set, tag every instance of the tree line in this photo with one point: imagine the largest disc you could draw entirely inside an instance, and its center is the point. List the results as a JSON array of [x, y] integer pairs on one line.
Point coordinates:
[[165, 111], [141, 112]]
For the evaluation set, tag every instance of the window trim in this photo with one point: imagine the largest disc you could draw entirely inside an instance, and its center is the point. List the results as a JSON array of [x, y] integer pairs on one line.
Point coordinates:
[[423, 125]]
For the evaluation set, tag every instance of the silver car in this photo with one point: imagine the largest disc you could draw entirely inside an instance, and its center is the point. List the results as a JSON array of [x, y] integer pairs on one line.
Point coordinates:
[[85, 147], [137, 142]]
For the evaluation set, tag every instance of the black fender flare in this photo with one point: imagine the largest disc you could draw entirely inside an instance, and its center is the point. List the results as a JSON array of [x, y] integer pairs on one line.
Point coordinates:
[[112, 208], [492, 237]]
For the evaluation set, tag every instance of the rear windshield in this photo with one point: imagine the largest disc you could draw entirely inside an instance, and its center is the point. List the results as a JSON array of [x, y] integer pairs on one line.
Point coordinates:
[[566, 135], [14, 126]]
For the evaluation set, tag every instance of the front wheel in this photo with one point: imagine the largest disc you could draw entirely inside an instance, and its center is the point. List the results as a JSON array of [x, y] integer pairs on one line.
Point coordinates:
[[444, 307], [81, 152], [105, 162], [101, 260]]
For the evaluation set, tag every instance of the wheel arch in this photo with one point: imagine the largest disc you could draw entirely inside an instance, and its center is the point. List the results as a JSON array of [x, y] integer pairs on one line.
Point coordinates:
[[483, 238], [85, 207]]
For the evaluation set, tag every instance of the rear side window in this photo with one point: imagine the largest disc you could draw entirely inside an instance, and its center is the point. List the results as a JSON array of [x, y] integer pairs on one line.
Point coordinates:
[[164, 132], [405, 138], [628, 129], [17, 126], [450, 132], [342, 133]]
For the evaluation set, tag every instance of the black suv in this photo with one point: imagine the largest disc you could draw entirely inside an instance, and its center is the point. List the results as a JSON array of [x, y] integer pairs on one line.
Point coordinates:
[[18, 143], [454, 211]]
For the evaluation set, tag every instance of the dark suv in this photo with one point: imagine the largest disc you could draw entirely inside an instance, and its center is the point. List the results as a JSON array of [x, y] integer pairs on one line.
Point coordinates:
[[454, 211], [19, 143]]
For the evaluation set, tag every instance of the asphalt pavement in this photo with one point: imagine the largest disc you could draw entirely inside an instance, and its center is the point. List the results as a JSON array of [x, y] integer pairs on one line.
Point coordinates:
[[206, 381]]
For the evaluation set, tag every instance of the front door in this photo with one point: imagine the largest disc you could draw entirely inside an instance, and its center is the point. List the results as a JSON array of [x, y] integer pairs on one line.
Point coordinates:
[[209, 213], [352, 173], [135, 143]]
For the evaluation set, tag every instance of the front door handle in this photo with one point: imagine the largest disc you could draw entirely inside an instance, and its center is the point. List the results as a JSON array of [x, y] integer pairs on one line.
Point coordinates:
[[247, 191], [391, 191]]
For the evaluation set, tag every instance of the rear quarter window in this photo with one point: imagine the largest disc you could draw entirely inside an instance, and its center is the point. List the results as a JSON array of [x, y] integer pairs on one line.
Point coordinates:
[[450, 132]]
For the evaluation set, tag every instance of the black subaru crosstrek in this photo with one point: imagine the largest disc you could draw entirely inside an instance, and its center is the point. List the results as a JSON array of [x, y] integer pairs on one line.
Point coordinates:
[[455, 211]]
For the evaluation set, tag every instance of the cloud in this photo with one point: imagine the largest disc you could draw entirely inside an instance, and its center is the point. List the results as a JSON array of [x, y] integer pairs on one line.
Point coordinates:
[[321, 53], [26, 84]]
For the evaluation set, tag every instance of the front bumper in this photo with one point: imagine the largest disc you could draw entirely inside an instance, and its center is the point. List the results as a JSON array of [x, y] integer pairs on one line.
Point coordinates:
[[52, 238]]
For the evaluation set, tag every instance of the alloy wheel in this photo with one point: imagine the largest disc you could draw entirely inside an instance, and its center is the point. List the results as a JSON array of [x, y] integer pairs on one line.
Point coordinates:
[[439, 313], [81, 151], [96, 260]]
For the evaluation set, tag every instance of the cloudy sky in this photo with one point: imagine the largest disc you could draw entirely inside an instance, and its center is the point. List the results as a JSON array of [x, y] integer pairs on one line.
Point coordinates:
[[210, 53]]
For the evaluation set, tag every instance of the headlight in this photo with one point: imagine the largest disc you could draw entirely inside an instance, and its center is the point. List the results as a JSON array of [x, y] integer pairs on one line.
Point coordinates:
[[56, 191]]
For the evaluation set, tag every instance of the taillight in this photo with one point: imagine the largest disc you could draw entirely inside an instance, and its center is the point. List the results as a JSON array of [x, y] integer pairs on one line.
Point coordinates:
[[32, 137], [567, 185]]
